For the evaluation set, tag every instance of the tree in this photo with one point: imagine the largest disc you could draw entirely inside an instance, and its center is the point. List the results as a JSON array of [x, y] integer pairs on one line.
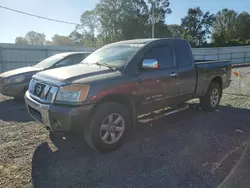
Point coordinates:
[[243, 26], [76, 37], [111, 13], [134, 20], [231, 28], [129, 19], [21, 40], [196, 26], [89, 24], [61, 40], [161, 9], [175, 30], [33, 37], [224, 26]]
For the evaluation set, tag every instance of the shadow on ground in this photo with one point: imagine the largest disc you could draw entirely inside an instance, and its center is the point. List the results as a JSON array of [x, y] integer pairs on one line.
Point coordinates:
[[188, 149], [11, 110]]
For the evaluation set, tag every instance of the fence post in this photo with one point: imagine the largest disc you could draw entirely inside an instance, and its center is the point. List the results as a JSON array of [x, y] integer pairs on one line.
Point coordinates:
[[1, 60], [46, 53], [245, 54]]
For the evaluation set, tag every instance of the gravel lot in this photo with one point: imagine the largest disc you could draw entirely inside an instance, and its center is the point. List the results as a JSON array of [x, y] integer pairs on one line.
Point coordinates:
[[189, 149]]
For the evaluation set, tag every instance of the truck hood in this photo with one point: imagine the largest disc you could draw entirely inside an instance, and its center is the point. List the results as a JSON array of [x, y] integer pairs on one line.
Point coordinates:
[[73, 73], [23, 70]]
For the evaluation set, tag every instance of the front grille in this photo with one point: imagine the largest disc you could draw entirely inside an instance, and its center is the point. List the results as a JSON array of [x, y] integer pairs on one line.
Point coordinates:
[[38, 89], [42, 92]]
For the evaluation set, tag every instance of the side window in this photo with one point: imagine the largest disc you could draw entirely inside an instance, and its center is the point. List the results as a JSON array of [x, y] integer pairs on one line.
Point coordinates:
[[70, 60], [163, 54], [183, 55], [84, 56]]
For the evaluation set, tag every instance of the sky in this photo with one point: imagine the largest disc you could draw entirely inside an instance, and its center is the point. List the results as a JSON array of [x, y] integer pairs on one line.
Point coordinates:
[[15, 24]]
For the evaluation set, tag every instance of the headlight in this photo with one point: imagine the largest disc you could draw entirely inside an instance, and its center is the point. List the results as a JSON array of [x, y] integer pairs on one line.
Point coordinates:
[[72, 93], [15, 79]]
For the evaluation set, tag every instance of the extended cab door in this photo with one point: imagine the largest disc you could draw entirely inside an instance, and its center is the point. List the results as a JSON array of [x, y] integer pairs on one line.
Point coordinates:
[[186, 71], [158, 86]]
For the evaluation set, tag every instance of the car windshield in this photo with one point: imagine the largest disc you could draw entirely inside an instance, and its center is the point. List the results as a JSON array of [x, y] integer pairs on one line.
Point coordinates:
[[115, 56], [47, 63]]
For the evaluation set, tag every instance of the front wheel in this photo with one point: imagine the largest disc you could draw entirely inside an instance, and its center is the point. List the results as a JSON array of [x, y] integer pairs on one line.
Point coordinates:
[[212, 98], [108, 128]]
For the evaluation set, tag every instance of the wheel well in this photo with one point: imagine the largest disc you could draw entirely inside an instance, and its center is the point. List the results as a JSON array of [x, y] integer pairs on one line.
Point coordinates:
[[218, 80], [123, 100]]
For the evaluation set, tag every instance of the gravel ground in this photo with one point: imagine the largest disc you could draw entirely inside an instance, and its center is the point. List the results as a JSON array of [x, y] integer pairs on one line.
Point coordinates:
[[189, 149]]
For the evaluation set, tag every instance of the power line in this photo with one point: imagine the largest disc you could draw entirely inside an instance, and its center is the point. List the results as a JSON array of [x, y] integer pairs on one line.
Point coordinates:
[[210, 1], [41, 17], [207, 1]]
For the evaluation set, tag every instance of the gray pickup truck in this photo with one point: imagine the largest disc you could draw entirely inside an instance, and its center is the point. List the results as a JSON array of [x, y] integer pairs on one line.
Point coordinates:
[[114, 87]]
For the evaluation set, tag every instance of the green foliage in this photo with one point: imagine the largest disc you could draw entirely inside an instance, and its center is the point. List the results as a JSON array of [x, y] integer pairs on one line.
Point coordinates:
[[129, 19], [89, 25], [175, 30], [21, 40], [229, 26], [76, 37], [196, 26], [243, 26], [115, 20], [32, 37], [61, 40]]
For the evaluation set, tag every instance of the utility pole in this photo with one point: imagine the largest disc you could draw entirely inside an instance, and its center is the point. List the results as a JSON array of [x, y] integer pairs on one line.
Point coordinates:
[[153, 19]]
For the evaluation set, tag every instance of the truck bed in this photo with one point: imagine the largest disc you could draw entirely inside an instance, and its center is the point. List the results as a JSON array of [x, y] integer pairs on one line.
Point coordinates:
[[210, 61], [206, 70]]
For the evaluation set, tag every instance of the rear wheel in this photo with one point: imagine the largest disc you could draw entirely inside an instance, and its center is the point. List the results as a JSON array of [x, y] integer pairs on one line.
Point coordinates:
[[108, 128], [212, 98]]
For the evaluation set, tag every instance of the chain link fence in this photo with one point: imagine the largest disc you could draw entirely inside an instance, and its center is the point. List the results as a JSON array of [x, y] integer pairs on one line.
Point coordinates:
[[240, 84]]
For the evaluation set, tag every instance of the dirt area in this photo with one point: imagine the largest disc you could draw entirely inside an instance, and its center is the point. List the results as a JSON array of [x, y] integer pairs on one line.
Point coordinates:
[[189, 149]]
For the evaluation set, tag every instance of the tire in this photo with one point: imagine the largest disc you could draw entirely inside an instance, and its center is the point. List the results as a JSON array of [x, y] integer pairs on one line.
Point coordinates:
[[98, 133], [212, 99]]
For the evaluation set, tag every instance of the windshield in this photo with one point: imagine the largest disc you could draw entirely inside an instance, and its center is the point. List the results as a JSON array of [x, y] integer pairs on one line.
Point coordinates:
[[47, 63], [114, 56]]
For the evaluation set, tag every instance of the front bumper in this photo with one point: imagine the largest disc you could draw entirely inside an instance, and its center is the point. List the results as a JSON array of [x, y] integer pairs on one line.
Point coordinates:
[[59, 118], [14, 90]]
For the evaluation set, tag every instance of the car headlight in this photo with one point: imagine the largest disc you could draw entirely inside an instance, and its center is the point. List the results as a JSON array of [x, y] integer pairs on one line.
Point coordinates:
[[15, 79], [72, 93]]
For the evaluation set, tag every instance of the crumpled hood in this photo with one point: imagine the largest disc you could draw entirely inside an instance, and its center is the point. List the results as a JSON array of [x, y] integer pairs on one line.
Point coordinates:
[[72, 73], [19, 71]]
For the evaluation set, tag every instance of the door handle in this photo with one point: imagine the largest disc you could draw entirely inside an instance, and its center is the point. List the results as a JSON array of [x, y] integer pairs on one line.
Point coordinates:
[[173, 74]]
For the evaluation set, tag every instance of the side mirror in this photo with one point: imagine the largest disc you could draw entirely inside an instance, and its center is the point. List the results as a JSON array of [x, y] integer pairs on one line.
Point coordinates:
[[150, 64]]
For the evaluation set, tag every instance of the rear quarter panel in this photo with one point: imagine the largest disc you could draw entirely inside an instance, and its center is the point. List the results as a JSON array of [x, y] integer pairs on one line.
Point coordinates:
[[206, 72]]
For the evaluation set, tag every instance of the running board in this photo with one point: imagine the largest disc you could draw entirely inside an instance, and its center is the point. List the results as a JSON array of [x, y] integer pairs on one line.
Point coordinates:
[[155, 115]]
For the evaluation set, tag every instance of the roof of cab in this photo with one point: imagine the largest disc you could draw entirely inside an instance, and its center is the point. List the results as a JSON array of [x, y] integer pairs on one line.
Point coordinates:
[[148, 40]]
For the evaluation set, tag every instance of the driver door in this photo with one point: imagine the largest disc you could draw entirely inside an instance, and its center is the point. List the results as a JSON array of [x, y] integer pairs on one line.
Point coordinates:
[[158, 85]]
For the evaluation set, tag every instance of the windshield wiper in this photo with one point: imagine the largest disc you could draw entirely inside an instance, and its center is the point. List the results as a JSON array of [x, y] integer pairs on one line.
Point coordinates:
[[105, 65]]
